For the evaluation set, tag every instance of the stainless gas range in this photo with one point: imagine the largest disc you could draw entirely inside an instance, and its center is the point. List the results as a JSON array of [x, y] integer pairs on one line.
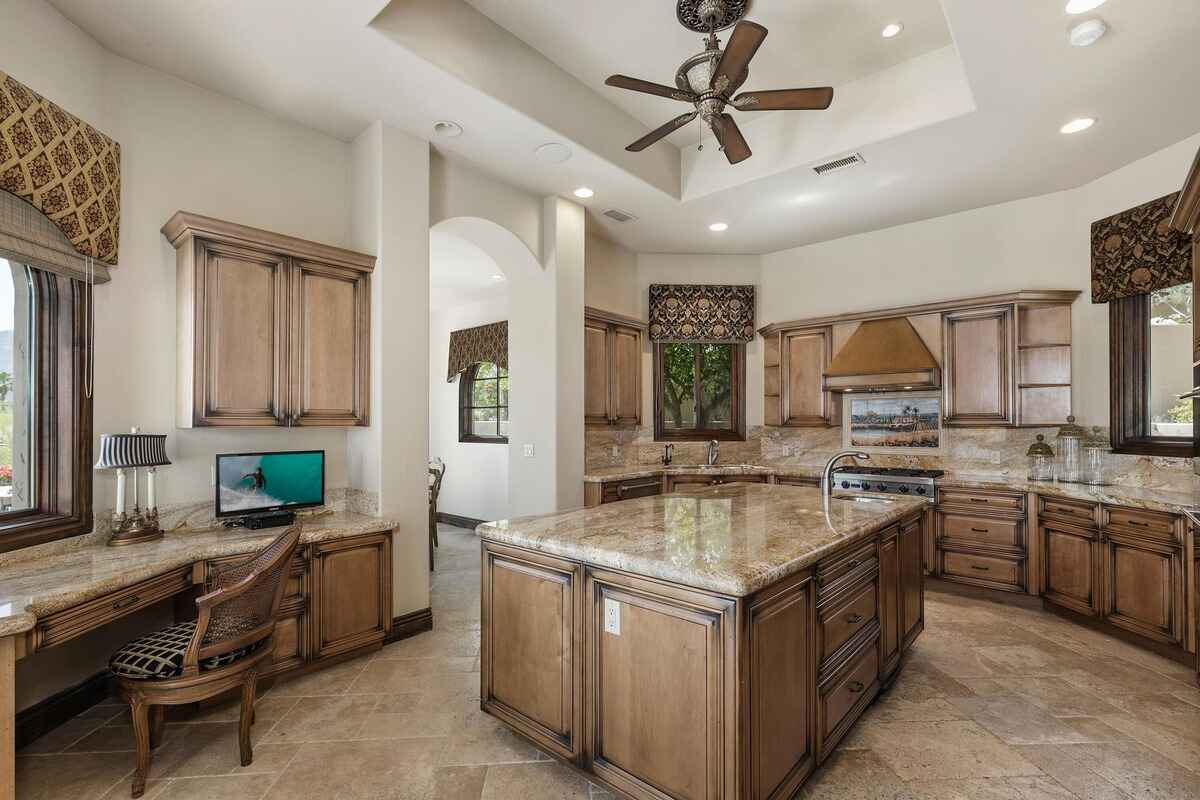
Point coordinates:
[[887, 480]]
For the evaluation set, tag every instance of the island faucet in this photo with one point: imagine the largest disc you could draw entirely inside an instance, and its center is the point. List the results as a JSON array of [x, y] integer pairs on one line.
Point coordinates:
[[827, 473], [714, 450]]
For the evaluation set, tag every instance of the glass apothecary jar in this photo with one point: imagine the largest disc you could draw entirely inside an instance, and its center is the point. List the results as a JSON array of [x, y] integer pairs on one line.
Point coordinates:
[[1096, 462], [1070, 457], [1041, 460]]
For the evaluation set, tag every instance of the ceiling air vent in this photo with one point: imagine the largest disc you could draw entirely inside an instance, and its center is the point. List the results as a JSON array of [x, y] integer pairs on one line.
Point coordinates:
[[619, 215], [845, 162]]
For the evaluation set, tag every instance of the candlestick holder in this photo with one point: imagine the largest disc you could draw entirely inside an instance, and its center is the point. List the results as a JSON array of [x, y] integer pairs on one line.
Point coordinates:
[[122, 451]]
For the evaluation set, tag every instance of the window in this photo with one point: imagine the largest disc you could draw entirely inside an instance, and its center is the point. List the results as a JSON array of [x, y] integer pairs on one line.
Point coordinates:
[[1150, 366], [699, 391], [483, 404]]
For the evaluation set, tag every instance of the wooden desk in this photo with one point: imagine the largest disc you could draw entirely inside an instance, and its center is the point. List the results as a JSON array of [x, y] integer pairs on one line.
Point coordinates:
[[338, 598]]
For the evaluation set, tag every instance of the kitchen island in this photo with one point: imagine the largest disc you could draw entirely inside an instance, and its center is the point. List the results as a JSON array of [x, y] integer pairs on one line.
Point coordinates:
[[715, 643]]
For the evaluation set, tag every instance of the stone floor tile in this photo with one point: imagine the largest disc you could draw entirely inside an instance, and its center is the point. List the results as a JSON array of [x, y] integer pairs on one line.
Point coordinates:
[[534, 780], [433, 644], [63, 736], [1061, 764], [324, 719], [1032, 788], [363, 769], [229, 787], [1176, 738], [328, 681], [1014, 720], [1055, 695], [70, 776], [944, 750], [1139, 771], [852, 775]]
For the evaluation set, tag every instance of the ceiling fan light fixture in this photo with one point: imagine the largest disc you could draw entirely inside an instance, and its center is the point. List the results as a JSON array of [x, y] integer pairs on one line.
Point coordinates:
[[1077, 125], [718, 227], [892, 30], [1087, 32], [1083, 6], [583, 193]]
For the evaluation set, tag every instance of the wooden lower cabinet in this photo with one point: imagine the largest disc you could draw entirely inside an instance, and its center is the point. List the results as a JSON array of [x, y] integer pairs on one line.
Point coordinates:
[[662, 691], [351, 593], [595, 494], [1070, 561], [673, 482], [1143, 586]]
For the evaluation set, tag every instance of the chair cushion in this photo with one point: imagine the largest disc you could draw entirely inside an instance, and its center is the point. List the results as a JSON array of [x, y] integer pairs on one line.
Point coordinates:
[[160, 654]]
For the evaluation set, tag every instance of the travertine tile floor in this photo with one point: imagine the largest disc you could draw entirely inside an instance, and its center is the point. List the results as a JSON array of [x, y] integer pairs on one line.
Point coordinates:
[[996, 703]]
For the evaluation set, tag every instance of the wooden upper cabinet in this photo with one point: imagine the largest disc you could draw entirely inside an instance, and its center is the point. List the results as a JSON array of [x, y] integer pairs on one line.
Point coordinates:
[[272, 330], [805, 355], [612, 354], [331, 322], [977, 366]]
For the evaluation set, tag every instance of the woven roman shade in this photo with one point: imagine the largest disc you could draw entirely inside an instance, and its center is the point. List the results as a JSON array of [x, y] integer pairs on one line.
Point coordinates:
[[485, 343], [1137, 252], [64, 169], [680, 313]]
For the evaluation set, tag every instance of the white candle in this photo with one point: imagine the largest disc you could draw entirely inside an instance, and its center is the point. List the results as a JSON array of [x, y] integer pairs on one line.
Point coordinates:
[[120, 491], [150, 506]]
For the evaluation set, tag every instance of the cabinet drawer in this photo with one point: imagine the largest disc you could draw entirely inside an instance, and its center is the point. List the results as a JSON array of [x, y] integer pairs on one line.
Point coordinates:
[[294, 588], [1002, 572], [978, 498], [844, 694], [635, 487], [846, 569], [846, 618], [1161, 526], [77, 620], [1078, 512], [1008, 533]]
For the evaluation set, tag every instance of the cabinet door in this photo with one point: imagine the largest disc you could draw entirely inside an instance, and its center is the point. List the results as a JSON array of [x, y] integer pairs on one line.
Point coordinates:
[[352, 593], [240, 364], [661, 664], [1070, 572], [890, 610], [977, 362], [912, 580], [531, 665], [595, 373], [626, 375], [291, 649], [1143, 587], [806, 354], [331, 334]]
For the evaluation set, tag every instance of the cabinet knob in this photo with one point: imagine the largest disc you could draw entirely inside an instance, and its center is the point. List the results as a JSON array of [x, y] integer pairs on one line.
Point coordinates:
[[125, 602], [979, 530], [855, 687], [854, 619]]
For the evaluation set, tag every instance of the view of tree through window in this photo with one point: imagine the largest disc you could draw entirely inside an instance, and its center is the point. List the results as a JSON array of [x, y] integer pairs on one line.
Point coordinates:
[[16, 401], [697, 386], [484, 398], [1170, 357]]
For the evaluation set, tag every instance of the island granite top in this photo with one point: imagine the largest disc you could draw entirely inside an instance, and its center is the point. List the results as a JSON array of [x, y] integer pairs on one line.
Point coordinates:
[[733, 539]]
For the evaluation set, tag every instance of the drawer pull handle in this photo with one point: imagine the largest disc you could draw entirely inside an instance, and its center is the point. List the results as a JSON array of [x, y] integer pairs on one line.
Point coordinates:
[[981, 569], [1139, 524], [629, 487], [125, 602], [854, 619], [979, 530], [978, 499], [855, 687], [852, 563]]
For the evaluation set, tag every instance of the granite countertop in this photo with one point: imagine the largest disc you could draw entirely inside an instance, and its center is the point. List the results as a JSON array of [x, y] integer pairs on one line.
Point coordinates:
[[733, 539], [1149, 498], [34, 587]]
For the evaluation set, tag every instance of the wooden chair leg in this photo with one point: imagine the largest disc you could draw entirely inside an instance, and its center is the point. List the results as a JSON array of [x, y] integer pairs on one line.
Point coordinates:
[[141, 737], [247, 716], [158, 715]]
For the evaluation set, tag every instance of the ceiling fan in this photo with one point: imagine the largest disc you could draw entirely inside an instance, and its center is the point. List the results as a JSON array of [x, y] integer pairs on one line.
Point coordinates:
[[708, 80]]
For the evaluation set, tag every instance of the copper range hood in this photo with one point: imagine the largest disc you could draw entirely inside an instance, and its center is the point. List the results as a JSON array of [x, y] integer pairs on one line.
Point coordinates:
[[883, 355]]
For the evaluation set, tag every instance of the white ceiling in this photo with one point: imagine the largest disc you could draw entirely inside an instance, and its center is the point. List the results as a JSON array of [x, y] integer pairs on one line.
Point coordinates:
[[980, 127], [460, 272]]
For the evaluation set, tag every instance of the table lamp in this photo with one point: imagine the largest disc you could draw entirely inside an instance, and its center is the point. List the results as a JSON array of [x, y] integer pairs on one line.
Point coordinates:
[[122, 451]]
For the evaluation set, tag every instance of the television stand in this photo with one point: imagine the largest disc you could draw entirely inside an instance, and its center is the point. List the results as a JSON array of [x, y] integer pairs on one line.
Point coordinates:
[[254, 522]]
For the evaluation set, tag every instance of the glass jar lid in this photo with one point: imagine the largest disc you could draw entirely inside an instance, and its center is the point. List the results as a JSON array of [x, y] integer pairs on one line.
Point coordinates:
[[1040, 448], [1071, 430], [1096, 440]]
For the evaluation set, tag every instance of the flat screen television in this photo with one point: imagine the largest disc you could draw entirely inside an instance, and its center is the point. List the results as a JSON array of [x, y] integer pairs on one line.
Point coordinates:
[[255, 483]]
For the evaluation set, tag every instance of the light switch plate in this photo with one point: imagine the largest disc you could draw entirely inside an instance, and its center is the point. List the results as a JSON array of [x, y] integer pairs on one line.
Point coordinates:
[[528, 451], [612, 617]]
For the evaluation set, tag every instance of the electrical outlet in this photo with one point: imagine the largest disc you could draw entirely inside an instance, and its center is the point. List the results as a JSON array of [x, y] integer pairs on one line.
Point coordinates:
[[612, 617], [616, 451], [528, 451]]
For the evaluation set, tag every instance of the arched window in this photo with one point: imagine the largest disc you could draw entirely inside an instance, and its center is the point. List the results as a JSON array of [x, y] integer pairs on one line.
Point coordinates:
[[483, 404]]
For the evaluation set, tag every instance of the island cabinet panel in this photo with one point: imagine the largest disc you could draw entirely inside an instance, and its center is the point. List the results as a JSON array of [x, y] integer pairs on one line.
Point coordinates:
[[912, 579], [781, 692], [1070, 567], [531, 627], [660, 675], [890, 610], [1143, 583], [352, 593]]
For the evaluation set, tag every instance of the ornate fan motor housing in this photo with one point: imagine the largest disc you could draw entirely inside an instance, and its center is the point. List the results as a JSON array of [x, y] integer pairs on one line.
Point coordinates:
[[705, 16]]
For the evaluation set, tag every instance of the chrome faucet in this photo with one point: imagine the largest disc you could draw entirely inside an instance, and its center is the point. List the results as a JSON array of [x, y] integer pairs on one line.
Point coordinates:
[[668, 454], [714, 450], [827, 473]]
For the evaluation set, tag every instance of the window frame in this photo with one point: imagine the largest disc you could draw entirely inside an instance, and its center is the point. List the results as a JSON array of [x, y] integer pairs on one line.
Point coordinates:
[[62, 425], [466, 382], [737, 401], [1129, 383]]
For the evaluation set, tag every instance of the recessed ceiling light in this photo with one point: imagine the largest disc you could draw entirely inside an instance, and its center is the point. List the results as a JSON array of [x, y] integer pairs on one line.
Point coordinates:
[[1087, 32], [447, 129], [892, 30], [1077, 125], [497, 277], [584, 192], [553, 152], [717, 227], [1083, 6]]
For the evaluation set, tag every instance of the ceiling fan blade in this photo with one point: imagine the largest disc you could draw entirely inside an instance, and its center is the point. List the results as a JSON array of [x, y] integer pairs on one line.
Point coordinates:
[[747, 37], [647, 87], [731, 139], [815, 99], [661, 131]]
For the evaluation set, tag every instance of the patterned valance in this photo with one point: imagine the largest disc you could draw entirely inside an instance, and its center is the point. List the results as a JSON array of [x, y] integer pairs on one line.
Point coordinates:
[[701, 313], [475, 345], [1137, 251], [63, 167]]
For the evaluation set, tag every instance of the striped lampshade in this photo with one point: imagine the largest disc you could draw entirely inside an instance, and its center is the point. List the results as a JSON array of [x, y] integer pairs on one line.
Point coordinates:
[[120, 450]]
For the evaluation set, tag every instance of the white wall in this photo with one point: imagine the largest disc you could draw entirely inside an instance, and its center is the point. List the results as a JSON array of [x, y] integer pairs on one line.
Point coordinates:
[[1036, 243], [610, 279], [476, 481]]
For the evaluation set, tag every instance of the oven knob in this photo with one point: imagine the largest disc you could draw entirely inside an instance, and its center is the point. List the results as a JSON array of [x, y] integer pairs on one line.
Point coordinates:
[[920, 490], [845, 484], [903, 490]]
